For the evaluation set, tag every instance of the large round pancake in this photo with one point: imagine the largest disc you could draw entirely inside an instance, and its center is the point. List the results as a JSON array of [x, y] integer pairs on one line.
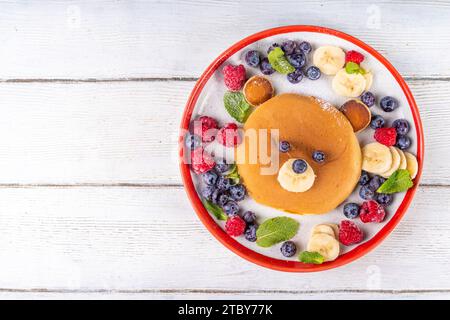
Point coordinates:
[[308, 124]]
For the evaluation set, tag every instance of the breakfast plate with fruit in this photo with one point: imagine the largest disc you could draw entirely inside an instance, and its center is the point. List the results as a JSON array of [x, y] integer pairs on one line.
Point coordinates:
[[301, 148]]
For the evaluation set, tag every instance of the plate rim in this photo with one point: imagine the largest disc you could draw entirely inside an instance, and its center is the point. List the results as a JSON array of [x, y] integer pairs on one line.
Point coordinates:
[[247, 253]]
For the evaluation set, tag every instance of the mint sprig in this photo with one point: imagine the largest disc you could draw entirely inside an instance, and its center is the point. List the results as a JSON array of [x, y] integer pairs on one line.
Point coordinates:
[[311, 257], [399, 181], [215, 210], [352, 67], [279, 62], [276, 230], [236, 106], [233, 174]]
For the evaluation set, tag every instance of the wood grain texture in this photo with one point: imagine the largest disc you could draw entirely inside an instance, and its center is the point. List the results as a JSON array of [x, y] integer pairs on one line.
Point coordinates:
[[103, 39], [126, 132], [116, 238]]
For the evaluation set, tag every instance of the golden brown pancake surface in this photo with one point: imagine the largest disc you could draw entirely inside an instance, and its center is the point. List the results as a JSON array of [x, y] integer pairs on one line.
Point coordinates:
[[308, 124]]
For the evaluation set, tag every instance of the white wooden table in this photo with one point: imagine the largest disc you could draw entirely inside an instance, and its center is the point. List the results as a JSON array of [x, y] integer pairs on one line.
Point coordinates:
[[91, 201]]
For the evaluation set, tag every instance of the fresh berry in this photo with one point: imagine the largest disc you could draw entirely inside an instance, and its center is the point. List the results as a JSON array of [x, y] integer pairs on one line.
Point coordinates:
[[273, 46], [376, 182], [207, 192], [249, 217], [210, 177], [231, 208], [206, 128], [313, 73], [354, 56], [284, 146], [384, 199], [222, 167], [363, 179], [295, 77], [366, 193], [235, 226], [371, 211], [318, 156], [201, 161], [403, 142], [192, 141], [386, 136], [266, 67], [237, 192], [288, 46], [402, 126], [224, 183], [234, 77], [299, 166], [250, 232], [305, 47], [351, 210], [297, 60], [368, 98], [377, 122], [350, 233], [388, 104], [252, 58], [229, 135], [288, 249], [220, 198]]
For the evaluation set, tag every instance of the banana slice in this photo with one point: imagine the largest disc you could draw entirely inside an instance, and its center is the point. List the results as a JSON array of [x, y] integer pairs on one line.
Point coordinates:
[[411, 164], [323, 228], [369, 80], [348, 84], [295, 182], [402, 159], [329, 59], [335, 228], [324, 244], [395, 163], [377, 158]]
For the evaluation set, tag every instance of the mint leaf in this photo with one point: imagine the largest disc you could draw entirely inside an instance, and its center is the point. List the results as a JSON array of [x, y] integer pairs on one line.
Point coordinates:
[[215, 210], [352, 67], [311, 257], [279, 62], [399, 181], [236, 105], [233, 174], [276, 230]]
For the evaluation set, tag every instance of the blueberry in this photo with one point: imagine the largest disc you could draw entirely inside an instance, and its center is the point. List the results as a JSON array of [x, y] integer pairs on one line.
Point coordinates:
[[318, 156], [250, 232], [284, 146], [219, 197], [305, 47], [288, 249], [252, 58], [288, 46], [403, 142], [249, 217], [273, 46], [388, 104], [266, 67], [231, 208], [299, 166], [368, 98], [222, 167], [366, 193], [313, 73], [237, 192], [351, 210], [192, 141], [297, 60], [295, 77], [376, 182], [210, 177], [224, 183], [207, 192], [377, 122], [402, 126], [385, 199], [364, 178]]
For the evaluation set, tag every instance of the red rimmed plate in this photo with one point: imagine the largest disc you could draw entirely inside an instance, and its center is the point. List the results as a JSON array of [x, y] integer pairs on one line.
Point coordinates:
[[390, 83]]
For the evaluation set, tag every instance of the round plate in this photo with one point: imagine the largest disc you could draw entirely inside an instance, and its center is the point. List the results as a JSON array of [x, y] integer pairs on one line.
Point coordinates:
[[327, 36]]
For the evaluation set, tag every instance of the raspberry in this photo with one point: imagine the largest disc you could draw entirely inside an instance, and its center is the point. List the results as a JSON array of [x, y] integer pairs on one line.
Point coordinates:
[[386, 136], [354, 56], [235, 226], [234, 77], [201, 161], [229, 135], [206, 128], [350, 233], [371, 211]]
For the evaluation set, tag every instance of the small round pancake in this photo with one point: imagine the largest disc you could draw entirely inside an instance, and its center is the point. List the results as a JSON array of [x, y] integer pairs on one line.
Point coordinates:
[[308, 124]]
